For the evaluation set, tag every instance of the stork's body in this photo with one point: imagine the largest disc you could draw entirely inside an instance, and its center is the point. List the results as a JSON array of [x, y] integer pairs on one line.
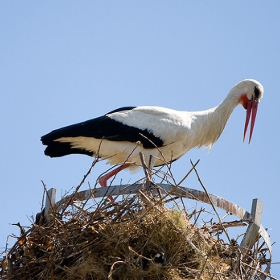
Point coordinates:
[[159, 133]]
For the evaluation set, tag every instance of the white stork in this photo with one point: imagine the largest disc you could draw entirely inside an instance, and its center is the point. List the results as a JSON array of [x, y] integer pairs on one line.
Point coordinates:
[[161, 134]]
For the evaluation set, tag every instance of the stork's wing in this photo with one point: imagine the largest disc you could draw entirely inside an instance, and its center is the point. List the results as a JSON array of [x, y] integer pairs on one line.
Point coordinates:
[[103, 127]]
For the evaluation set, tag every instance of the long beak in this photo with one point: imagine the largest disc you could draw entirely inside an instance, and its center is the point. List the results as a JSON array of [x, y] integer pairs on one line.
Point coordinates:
[[252, 108]]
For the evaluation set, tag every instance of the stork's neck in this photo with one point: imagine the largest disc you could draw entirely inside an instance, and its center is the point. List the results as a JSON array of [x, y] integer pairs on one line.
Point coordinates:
[[210, 124]]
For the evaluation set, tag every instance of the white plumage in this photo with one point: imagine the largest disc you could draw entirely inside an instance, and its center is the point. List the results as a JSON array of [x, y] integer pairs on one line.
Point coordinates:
[[162, 133]]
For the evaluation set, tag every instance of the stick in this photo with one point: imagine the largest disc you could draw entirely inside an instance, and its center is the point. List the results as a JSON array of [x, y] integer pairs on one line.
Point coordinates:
[[184, 178], [211, 202]]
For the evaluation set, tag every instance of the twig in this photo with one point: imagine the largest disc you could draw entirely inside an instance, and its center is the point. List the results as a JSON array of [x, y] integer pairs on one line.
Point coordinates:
[[145, 167], [71, 197], [211, 202], [43, 196], [259, 271], [165, 163], [184, 178], [179, 230], [199, 212], [112, 267]]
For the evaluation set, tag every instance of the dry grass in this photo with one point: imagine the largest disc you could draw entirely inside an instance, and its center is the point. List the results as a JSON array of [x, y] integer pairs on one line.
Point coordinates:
[[122, 241]]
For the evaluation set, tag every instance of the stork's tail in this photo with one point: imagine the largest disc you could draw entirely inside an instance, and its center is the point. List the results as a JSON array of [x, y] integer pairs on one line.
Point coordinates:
[[55, 148]]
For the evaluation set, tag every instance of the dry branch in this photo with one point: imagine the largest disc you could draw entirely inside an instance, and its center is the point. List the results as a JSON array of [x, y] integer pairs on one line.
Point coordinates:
[[140, 237]]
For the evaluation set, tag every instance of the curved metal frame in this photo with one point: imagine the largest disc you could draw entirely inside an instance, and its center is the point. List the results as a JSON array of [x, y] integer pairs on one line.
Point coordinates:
[[189, 193]]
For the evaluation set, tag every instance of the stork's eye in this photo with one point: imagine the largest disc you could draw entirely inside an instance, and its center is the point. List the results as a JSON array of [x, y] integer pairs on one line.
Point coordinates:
[[256, 93]]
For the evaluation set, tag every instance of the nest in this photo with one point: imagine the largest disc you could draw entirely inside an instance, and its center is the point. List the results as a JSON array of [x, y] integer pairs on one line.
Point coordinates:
[[140, 237]]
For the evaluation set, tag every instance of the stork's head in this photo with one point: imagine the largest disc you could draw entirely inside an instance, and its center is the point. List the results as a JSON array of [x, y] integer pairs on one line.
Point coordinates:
[[250, 94]]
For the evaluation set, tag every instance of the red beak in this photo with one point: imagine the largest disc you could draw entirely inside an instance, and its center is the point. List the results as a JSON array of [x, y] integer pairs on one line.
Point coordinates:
[[252, 108]]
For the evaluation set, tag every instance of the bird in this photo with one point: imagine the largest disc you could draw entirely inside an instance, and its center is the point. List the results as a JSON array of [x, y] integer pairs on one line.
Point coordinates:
[[162, 135]]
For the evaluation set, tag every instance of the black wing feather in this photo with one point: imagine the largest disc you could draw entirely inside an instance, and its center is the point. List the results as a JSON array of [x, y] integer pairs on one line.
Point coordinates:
[[99, 128]]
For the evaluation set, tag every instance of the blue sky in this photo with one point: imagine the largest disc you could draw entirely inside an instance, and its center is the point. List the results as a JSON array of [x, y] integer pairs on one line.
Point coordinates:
[[63, 62]]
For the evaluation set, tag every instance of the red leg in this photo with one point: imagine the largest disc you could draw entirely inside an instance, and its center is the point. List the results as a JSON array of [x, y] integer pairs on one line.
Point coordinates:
[[103, 179]]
